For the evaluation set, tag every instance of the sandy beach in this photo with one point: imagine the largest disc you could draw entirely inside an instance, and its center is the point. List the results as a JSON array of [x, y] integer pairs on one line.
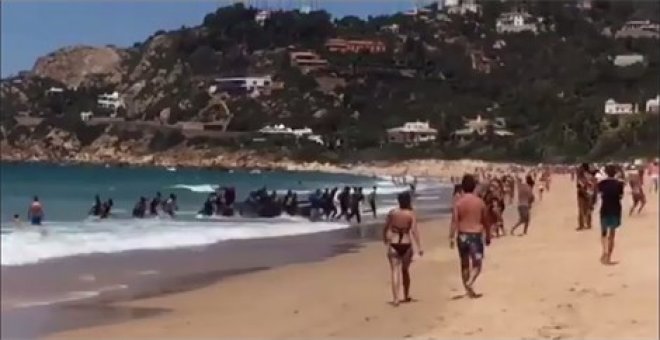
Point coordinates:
[[549, 284]]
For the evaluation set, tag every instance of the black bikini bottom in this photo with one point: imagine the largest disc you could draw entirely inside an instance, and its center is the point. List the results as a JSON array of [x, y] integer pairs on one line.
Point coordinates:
[[401, 249]]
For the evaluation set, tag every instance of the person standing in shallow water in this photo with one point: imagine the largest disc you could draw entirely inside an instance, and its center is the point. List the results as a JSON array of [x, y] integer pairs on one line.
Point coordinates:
[[469, 230], [35, 212], [611, 191], [400, 234], [372, 202]]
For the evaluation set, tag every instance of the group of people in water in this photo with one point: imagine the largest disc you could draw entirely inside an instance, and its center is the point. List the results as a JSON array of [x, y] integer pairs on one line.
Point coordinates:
[[141, 209], [481, 198], [144, 208], [328, 204]]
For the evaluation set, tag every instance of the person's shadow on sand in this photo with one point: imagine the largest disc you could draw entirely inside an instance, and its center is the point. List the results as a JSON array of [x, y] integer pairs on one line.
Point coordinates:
[[461, 296]]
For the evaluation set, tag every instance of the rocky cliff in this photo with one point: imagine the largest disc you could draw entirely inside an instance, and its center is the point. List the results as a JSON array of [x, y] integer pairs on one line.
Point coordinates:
[[73, 65]]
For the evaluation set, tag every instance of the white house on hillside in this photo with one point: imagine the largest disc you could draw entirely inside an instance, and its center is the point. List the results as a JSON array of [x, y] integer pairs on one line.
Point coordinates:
[[261, 17], [242, 84], [54, 90], [110, 101], [516, 22], [624, 60], [653, 105], [463, 7], [412, 133], [614, 108], [86, 116]]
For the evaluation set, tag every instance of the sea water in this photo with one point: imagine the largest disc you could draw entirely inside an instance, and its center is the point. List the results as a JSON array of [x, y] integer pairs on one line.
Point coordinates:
[[67, 194]]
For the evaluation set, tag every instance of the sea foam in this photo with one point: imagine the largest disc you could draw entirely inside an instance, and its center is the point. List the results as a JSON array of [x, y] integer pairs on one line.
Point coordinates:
[[21, 247]]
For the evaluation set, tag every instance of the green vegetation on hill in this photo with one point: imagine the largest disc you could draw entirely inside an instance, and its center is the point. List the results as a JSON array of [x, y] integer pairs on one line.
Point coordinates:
[[551, 87]]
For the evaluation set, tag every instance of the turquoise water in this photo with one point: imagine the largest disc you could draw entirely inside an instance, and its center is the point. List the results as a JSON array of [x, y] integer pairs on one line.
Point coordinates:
[[67, 194]]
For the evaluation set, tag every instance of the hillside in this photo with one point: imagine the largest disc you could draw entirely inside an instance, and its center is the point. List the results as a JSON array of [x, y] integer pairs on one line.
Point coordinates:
[[550, 86]]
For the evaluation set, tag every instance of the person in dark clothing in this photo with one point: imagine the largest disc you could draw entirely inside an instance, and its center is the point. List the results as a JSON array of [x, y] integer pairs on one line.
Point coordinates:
[[372, 202], [230, 196], [315, 205], [218, 204], [207, 209], [326, 203], [344, 200], [290, 203], [140, 208], [170, 206], [611, 193], [155, 203], [356, 200], [106, 208], [96, 208]]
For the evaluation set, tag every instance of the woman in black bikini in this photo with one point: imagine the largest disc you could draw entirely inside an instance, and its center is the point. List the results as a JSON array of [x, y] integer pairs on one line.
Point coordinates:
[[398, 235]]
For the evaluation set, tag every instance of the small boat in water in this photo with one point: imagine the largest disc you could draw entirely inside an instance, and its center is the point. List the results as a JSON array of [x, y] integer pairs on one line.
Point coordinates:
[[171, 168]]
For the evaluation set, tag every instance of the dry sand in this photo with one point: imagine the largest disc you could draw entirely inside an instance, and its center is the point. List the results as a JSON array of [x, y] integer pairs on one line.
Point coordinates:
[[549, 284]]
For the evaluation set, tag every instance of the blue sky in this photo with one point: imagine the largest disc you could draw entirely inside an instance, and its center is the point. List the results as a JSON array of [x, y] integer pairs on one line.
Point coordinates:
[[30, 28]]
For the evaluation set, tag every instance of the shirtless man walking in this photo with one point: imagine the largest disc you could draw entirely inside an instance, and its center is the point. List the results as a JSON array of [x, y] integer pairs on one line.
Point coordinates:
[[469, 232], [638, 197]]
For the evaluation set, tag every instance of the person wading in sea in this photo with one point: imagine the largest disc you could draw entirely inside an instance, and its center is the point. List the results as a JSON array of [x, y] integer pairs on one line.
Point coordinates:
[[35, 212], [469, 231], [372, 202], [400, 235], [611, 191]]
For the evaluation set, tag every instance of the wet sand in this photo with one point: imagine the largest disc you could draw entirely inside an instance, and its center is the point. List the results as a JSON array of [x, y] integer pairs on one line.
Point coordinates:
[[549, 284]]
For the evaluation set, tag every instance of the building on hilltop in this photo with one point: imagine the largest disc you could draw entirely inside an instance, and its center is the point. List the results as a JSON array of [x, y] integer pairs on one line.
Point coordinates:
[[516, 22], [355, 46], [412, 133], [639, 29]]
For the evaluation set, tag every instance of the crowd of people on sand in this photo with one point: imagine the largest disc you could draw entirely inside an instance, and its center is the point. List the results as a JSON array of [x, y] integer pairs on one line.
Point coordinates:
[[480, 199]]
